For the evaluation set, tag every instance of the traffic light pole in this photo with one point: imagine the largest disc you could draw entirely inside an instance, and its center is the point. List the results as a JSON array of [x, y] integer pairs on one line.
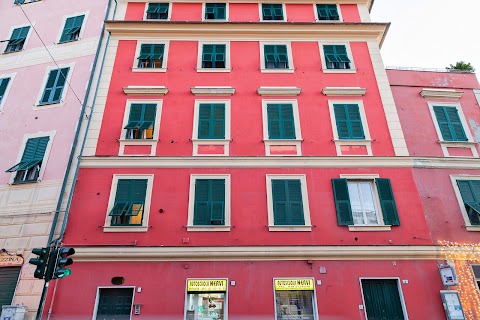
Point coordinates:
[[42, 301]]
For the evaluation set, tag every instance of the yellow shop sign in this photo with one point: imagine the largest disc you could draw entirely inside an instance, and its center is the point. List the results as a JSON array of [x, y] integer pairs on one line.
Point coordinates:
[[207, 285], [294, 284]]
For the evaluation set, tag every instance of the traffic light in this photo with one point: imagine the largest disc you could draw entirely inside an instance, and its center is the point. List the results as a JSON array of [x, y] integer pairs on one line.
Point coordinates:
[[57, 262], [40, 262]]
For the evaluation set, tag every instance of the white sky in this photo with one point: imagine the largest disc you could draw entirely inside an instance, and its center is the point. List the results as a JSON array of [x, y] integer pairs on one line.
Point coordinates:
[[430, 33]]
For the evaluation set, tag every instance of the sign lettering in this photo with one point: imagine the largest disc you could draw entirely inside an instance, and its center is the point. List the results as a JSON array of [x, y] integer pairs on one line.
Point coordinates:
[[9, 261], [206, 285], [294, 284]]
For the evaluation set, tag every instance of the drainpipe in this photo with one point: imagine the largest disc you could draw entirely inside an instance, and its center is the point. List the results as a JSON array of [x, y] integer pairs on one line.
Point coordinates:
[[72, 154]]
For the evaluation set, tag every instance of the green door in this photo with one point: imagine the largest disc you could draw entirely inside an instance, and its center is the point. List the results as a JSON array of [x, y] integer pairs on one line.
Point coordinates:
[[8, 284], [382, 299], [115, 304]]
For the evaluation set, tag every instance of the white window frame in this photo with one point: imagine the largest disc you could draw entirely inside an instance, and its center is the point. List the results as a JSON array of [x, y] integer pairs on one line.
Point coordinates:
[[400, 293], [227, 68], [315, 305], [297, 142], [37, 105], [367, 142], [227, 13], [166, 44], [82, 29], [28, 1], [51, 135], [336, 43], [470, 144], [291, 67], [146, 208], [26, 39], [477, 280], [191, 203], [186, 296], [454, 178], [260, 12], [97, 298], [306, 207], [169, 11], [7, 90], [223, 142], [340, 17], [381, 226], [140, 142]]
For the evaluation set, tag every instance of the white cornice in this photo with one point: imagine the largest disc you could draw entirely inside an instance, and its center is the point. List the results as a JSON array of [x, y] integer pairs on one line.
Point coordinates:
[[263, 253], [366, 2], [212, 91], [441, 93], [145, 90], [278, 91], [344, 91]]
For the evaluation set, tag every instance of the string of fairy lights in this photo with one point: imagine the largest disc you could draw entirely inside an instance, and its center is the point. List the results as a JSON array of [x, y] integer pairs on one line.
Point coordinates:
[[463, 255]]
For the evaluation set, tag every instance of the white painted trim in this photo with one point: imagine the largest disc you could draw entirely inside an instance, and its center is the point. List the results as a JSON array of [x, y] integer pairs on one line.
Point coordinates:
[[7, 90], [97, 298], [454, 178], [297, 142], [471, 144], [344, 91], [107, 227], [212, 91], [279, 91], [306, 207], [170, 6], [51, 135], [166, 45], [145, 90], [291, 67], [225, 314], [364, 11], [314, 297], [367, 142], [225, 142], [4, 46], [227, 12], [227, 57], [315, 12], [191, 203], [400, 293], [260, 12], [441, 93], [140, 142], [369, 228], [82, 29], [37, 105], [349, 53]]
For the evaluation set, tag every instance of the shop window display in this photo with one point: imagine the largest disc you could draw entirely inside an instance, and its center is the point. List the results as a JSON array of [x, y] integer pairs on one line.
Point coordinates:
[[206, 300], [295, 299]]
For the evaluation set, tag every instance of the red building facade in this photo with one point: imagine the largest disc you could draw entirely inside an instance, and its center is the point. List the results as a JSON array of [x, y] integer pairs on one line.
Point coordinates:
[[246, 160]]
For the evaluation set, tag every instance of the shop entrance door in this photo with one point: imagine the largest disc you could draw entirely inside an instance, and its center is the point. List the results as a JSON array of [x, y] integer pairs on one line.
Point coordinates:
[[8, 284], [114, 304], [382, 299]]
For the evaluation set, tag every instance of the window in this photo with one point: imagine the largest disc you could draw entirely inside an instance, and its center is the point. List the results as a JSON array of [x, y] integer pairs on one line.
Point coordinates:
[[327, 12], [129, 203], [151, 56], [470, 192], [348, 121], [72, 28], [3, 88], [336, 57], [157, 11], [24, 1], [29, 167], [9, 276], [276, 56], [288, 203], [211, 121], [114, 303], [53, 91], [272, 12], [295, 299], [449, 123], [213, 56], [382, 299], [215, 11], [141, 121], [209, 203], [17, 39], [476, 274], [206, 299], [359, 203], [281, 124]]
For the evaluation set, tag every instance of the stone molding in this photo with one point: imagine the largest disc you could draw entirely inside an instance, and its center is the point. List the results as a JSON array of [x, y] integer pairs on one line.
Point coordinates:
[[344, 91], [145, 90], [212, 91], [279, 91], [441, 93]]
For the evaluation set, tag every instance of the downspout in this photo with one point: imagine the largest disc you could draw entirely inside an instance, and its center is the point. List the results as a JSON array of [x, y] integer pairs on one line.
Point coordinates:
[[72, 154]]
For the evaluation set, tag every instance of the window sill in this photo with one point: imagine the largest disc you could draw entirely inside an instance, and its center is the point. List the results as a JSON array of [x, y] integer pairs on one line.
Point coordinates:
[[473, 228], [290, 70], [208, 228], [15, 183], [273, 21], [370, 228], [11, 52], [214, 70], [339, 70], [458, 143], [290, 228], [138, 142], [125, 229], [69, 41], [215, 20], [135, 69], [328, 21], [45, 106], [147, 19]]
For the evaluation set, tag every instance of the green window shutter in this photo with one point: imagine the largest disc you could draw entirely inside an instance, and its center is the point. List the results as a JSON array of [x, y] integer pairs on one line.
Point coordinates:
[[32, 154], [54, 86], [330, 54], [267, 12], [287, 202], [387, 202], [72, 28], [349, 121], [276, 56], [342, 202], [449, 123], [336, 57], [333, 12], [341, 119], [217, 206], [272, 12], [201, 213], [470, 192], [9, 276], [327, 12], [322, 12], [382, 299], [211, 121], [157, 11], [281, 124], [3, 87], [215, 11], [17, 39], [129, 192], [151, 56], [341, 53], [152, 7], [209, 204], [141, 117], [213, 56]]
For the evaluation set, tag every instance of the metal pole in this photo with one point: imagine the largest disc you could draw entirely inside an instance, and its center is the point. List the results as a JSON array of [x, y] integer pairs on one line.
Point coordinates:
[[42, 301]]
